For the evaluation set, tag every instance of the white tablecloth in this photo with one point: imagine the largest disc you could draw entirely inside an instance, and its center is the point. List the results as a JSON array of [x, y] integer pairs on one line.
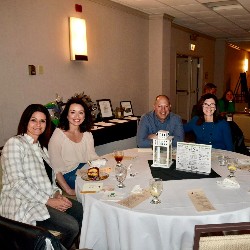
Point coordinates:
[[169, 225]]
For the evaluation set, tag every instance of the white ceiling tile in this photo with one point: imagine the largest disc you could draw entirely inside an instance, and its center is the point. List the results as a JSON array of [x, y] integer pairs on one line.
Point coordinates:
[[234, 12], [203, 14], [191, 8], [173, 12], [194, 15], [244, 2], [178, 2], [209, 1]]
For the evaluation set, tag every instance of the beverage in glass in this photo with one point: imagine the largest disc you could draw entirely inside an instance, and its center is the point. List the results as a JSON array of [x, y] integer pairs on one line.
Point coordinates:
[[155, 188], [118, 155], [232, 166]]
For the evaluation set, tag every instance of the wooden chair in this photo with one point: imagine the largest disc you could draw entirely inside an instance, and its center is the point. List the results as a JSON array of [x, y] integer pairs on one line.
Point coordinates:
[[227, 236]]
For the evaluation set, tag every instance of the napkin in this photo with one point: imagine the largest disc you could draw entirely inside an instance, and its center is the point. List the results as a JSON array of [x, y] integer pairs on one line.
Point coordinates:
[[137, 190], [98, 163], [112, 196], [91, 187], [229, 183]]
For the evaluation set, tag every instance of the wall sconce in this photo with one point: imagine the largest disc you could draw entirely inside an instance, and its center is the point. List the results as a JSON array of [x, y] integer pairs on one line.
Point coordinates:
[[246, 65], [191, 46], [78, 39]]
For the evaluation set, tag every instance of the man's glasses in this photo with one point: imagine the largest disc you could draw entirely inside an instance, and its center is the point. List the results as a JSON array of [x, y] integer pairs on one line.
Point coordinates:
[[206, 105]]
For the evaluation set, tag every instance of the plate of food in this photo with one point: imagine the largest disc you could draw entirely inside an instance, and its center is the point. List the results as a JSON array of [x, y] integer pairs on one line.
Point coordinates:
[[94, 174]]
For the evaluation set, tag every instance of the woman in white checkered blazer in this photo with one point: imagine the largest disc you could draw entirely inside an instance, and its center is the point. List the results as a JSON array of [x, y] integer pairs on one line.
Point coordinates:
[[29, 193]]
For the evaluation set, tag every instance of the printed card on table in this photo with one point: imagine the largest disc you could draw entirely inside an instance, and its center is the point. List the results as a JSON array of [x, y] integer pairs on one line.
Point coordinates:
[[200, 200], [134, 200], [91, 187], [193, 157]]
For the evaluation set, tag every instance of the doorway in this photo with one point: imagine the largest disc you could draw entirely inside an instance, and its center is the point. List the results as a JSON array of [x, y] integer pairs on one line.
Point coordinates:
[[188, 84]]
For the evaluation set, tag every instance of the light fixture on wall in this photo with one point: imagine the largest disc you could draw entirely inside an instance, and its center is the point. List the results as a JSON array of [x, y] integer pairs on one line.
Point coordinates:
[[191, 46], [246, 65], [78, 39]]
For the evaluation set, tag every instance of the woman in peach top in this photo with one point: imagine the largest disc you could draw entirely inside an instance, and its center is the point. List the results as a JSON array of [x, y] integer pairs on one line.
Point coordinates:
[[72, 145]]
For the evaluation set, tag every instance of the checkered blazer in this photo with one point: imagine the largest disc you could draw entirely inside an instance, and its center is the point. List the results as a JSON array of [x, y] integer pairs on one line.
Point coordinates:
[[26, 186]]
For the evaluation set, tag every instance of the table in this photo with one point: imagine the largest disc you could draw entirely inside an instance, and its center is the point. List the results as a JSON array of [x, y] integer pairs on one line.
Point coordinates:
[[120, 135], [169, 225], [119, 131]]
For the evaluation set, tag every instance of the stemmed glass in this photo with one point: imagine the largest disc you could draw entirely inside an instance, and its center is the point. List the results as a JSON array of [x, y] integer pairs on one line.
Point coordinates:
[[223, 160], [155, 188], [118, 155], [120, 174], [232, 166]]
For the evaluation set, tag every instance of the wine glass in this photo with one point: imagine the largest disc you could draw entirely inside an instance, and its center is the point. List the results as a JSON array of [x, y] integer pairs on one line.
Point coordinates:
[[232, 166], [155, 188], [120, 174], [222, 160], [118, 155]]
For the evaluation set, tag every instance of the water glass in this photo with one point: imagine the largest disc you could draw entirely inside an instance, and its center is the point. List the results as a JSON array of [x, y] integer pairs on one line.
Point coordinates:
[[222, 160], [155, 188], [120, 174], [232, 164]]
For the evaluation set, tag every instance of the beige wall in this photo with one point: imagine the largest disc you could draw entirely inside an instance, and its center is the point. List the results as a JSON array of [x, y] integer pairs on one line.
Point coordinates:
[[120, 59], [36, 32], [205, 49]]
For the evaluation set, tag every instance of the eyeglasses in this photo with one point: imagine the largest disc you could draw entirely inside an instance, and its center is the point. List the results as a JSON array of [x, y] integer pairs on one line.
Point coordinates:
[[206, 105]]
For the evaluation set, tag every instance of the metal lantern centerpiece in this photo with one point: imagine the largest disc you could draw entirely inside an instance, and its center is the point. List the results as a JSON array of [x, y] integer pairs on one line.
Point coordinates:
[[162, 149]]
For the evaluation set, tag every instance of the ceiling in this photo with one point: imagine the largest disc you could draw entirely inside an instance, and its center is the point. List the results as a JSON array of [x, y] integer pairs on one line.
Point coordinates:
[[225, 19]]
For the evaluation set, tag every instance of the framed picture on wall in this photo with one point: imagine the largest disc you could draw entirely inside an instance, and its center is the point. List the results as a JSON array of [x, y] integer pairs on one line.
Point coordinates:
[[105, 108], [127, 108]]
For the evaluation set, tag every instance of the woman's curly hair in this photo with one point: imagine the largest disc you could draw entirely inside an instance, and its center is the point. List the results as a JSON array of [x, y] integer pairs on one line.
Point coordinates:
[[64, 122]]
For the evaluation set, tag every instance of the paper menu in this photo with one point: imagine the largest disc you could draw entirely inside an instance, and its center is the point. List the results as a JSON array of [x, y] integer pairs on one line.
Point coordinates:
[[118, 121], [200, 201], [134, 200], [104, 124], [131, 118], [193, 157], [96, 128]]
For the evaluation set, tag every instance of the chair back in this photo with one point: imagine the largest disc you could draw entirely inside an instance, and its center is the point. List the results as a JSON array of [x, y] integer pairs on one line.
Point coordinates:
[[227, 236], [16, 235]]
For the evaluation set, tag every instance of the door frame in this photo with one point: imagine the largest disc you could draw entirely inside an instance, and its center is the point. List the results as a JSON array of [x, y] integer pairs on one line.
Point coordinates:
[[198, 89]]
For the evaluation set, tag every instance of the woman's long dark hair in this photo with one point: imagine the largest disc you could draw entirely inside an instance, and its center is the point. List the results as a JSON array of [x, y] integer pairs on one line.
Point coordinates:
[[25, 118], [64, 122], [203, 98], [226, 102]]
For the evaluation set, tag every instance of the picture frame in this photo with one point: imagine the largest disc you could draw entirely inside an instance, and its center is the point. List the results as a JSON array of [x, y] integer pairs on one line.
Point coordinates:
[[105, 108], [128, 110]]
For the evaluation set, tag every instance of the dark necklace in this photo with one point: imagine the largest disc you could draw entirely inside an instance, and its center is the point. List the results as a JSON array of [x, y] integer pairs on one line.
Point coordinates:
[[208, 132]]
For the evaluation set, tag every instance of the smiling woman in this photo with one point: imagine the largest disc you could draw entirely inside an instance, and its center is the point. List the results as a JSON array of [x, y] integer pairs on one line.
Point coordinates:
[[30, 194], [72, 143], [208, 127]]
